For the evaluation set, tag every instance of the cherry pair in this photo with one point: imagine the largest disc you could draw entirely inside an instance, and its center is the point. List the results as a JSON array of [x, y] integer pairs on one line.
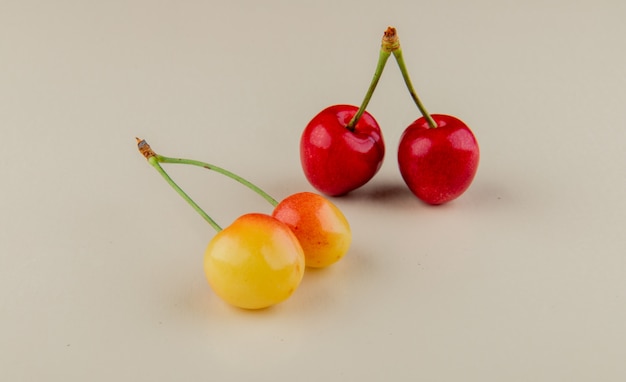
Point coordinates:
[[259, 260], [342, 147]]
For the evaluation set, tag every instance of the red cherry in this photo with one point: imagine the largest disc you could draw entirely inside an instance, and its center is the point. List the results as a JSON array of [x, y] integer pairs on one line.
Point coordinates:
[[336, 159], [342, 147], [438, 154], [438, 164]]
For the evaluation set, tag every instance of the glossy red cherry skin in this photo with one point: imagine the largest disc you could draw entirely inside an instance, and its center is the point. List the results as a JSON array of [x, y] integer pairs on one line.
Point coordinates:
[[335, 159], [438, 164]]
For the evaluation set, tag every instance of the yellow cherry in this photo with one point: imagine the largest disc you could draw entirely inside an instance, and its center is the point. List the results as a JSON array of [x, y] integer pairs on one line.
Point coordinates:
[[321, 228], [254, 263]]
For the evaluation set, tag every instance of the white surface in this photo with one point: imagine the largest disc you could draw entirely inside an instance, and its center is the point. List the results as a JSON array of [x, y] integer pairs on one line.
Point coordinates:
[[521, 279]]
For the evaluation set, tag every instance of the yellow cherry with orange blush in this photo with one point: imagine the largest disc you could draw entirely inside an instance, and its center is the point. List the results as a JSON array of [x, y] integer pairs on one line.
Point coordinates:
[[321, 228], [255, 262]]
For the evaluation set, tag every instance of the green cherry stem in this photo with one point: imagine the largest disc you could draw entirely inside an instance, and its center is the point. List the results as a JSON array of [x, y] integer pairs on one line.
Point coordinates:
[[397, 53], [253, 187], [380, 66], [152, 157]]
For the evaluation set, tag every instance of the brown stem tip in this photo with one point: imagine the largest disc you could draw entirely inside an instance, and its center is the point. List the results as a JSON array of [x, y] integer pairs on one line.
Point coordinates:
[[391, 41], [144, 148]]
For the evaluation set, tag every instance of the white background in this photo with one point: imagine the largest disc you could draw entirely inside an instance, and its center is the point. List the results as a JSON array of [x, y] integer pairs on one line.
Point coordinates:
[[523, 278]]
